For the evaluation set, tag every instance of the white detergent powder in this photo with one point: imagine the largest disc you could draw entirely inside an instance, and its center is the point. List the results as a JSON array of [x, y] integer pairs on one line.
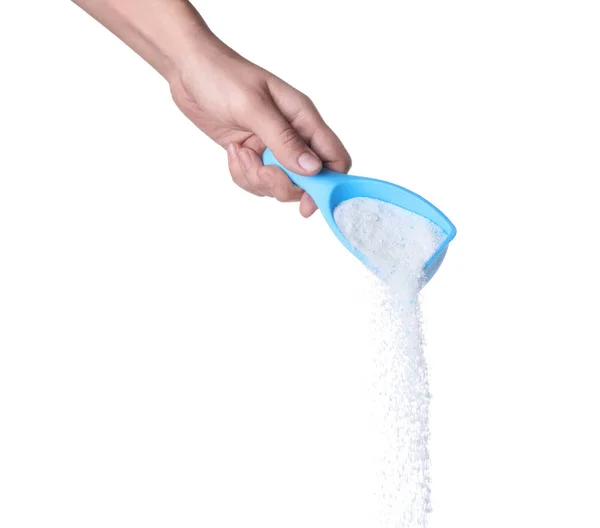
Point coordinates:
[[397, 244]]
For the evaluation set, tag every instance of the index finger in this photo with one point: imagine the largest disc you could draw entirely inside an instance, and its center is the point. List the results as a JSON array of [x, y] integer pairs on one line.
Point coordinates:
[[304, 117]]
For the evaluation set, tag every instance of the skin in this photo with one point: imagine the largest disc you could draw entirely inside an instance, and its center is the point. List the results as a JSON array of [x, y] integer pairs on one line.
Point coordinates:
[[238, 104]]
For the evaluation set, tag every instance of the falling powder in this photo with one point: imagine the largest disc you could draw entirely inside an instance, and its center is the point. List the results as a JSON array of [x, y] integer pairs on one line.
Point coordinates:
[[397, 244]]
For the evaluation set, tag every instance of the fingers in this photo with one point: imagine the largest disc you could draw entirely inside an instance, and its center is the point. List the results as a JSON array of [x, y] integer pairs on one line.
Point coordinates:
[[287, 122], [282, 138], [280, 186], [238, 174], [304, 117], [249, 173], [328, 146], [249, 164], [307, 206]]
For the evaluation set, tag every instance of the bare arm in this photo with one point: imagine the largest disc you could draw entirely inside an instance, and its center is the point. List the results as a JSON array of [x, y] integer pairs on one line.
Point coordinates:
[[163, 32], [241, 106]]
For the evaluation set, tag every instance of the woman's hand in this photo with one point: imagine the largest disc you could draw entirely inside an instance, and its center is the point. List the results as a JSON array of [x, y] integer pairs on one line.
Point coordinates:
[[244, 108], [238, 104]]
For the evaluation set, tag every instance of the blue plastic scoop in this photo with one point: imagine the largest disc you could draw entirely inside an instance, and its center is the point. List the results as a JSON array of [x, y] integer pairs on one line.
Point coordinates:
[[328, 189]]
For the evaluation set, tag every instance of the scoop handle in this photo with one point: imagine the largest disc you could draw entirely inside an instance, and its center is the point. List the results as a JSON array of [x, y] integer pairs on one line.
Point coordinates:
[[318, 186]]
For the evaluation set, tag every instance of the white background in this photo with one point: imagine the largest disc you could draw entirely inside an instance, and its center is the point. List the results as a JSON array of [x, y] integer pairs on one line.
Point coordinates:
[[175, 352]]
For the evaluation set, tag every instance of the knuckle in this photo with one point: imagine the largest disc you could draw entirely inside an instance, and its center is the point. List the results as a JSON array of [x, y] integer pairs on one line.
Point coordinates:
[[289, 138], [306, 101], [279, 193], [258, 187], [286, 198], [253, 177], [262, 186], [282, 196], [286, 193]]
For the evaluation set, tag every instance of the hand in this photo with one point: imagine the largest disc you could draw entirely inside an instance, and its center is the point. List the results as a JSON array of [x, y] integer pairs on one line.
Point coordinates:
[[245, 109]]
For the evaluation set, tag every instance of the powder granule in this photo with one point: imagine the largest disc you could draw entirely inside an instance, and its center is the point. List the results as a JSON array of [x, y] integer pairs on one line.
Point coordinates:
[[397, 244]]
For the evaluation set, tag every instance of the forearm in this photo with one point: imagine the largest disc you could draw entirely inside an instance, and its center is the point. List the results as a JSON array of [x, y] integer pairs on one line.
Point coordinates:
[[166, 33]]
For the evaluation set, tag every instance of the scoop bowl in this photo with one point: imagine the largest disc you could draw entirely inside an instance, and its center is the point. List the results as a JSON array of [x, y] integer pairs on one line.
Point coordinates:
[[328, 189]]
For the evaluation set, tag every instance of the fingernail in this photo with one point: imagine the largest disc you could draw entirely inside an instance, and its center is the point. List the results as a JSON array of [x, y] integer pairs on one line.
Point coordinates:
[[245, 158], [309, 162]]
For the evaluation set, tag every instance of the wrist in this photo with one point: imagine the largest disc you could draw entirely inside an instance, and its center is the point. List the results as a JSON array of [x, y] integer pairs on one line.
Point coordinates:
[[203, 58], [200, 49]]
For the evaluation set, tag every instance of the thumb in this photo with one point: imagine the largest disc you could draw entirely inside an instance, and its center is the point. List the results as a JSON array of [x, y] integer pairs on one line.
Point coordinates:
[[288, 147]]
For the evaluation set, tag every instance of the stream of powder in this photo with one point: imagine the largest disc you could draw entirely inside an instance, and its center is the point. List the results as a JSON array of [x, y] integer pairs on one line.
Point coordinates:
[[397, 244]]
